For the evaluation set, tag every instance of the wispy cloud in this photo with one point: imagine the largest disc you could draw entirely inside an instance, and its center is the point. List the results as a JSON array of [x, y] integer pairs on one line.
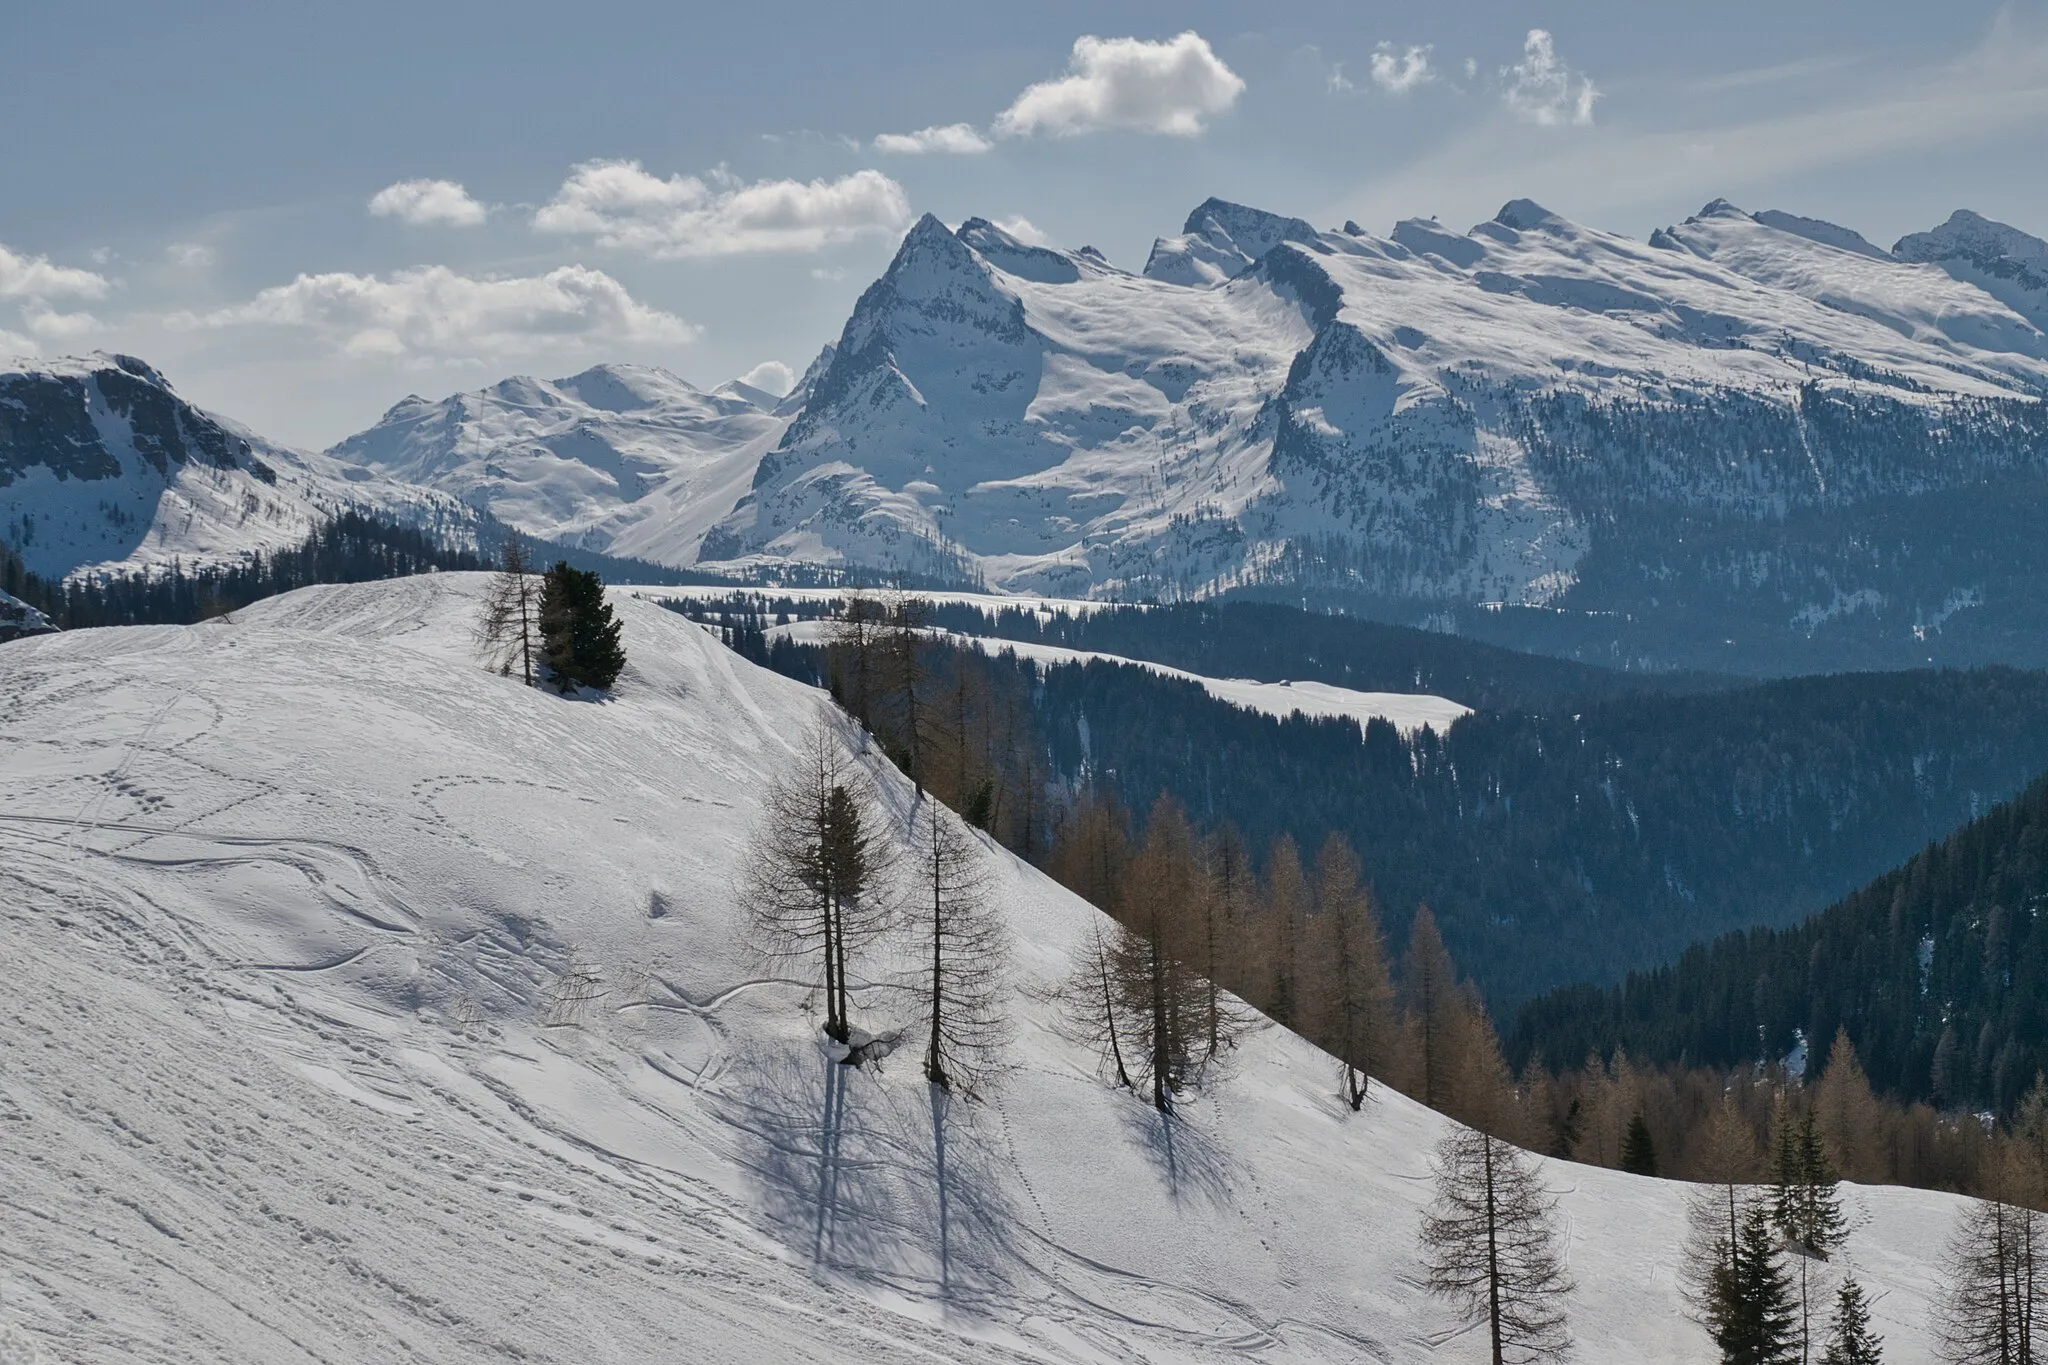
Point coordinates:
[[1397, 71], [1999, 87], [1542, 89], [1771, 75], [1172, 87], [620, 204], [959, 139]]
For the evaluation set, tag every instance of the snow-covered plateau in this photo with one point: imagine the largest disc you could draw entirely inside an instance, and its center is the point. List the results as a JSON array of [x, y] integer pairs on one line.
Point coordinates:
[[284, 895]]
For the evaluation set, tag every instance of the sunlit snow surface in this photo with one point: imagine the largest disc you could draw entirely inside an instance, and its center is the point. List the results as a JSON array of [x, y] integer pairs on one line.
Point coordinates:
[[251, 868]]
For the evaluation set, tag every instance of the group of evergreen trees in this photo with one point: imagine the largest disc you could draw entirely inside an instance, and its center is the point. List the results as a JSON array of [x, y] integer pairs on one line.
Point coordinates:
[[351, 547], [560, 628]]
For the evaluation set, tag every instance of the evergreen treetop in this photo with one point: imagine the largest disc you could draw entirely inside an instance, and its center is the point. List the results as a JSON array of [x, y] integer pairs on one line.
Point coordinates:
[[579, 631]]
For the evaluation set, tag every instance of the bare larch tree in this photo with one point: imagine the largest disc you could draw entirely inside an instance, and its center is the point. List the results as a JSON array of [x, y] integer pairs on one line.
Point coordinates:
[[1347, 1002], [508, 625], [812, 886], [1490, 1246], [964, 950]]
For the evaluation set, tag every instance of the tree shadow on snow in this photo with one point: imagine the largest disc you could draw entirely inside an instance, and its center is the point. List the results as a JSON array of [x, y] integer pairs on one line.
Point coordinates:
[[867, 1177], [1190, 1162]]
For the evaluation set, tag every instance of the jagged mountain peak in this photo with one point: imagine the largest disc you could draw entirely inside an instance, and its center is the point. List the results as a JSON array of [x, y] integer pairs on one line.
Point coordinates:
[[1967, 231], [1526, 215], [1220, 241]]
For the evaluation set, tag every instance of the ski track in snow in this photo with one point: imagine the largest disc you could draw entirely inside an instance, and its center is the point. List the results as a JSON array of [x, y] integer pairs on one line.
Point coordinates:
[[248, 871]]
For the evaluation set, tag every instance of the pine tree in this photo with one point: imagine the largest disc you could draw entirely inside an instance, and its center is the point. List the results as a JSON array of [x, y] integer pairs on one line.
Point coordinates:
[[578, 630], [1638, 1150], [1850, 1338], [508, 623], [1752, 1316], [811, 881], [853, 646], [1806, 1205], [963, 953], [1490, 1246], [1726, 1162]]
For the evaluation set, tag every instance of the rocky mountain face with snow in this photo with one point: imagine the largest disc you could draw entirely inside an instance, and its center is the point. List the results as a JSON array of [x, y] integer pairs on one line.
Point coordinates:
[[1755, 442], [102, 464], [623, 459]]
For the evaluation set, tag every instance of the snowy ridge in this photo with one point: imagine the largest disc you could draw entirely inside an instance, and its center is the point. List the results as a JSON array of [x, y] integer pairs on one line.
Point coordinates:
[[1427, 416], [103, 466], [623, 459], [287, 893]]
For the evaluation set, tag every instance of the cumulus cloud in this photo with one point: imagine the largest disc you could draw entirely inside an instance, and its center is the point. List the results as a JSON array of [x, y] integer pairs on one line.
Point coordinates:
[[1167, 87], [436, 313], [960, 139], [189, 255], [1542, 89], [771, 376], [34, 277], [428, 203], [1398, 72], [620, 204], [1024, 230]]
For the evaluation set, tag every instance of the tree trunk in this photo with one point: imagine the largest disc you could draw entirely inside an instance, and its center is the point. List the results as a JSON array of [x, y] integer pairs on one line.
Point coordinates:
[[1492, 1252]]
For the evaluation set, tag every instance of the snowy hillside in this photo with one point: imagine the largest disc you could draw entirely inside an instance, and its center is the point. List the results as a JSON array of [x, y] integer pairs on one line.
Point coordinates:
[[103, 465], [285, 895], [622, 459]]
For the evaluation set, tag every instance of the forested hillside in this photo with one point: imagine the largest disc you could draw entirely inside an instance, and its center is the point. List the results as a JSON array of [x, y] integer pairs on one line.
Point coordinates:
[[1938, 970], [1554, 847]]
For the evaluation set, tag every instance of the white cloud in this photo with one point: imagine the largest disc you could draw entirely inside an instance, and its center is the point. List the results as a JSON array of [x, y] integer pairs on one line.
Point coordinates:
[[1164, 87], [1024, 230], [15, 344], [1542, 89], [1398, 72], [46, 324], [189, 255], [621, 205], [961, 139], [771, 376], [33, 277], [426, 203], [434, 312]]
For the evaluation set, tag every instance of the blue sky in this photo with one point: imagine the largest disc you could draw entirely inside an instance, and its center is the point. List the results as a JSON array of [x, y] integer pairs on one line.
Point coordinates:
[[704, 188]]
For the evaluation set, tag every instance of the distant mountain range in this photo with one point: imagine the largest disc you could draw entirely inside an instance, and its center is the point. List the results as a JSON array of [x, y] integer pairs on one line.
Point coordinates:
[[1756, 442]]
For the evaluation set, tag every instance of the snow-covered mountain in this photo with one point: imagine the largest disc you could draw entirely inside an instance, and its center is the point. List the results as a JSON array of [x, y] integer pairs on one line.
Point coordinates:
[[1531, 412], [623, 459], [103, 465], [2004, 262], [288, 896]]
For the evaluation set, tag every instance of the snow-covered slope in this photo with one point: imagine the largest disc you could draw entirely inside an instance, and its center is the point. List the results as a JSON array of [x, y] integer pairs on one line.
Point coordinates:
[[2008, 264], [284, 898], [1428, 417], [622, 459], [103, 465], [1406, 711]]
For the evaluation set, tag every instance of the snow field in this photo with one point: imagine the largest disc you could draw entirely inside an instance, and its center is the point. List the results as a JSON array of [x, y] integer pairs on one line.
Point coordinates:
[[283, 900]]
